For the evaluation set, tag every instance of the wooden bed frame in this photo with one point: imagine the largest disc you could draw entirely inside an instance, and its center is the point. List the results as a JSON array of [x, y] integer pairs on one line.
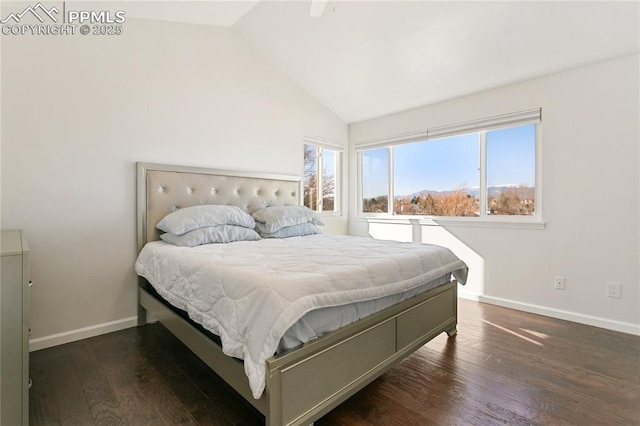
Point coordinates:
[[301, 384]]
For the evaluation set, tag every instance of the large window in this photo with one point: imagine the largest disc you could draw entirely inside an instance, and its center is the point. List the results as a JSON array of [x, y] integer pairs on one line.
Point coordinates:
[[321, 178], [480, 169]]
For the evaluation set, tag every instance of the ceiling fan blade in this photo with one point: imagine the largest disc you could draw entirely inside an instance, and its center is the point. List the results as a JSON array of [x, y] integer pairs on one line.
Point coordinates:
[[317, 8]]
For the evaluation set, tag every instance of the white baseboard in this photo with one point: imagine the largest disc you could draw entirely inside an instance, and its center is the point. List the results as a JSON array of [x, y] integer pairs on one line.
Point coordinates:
[[469, 296], [624, 327], [96, 330], [81, 333]]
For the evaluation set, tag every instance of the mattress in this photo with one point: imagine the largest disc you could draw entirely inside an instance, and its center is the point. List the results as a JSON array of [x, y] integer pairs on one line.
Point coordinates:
[[250, 293]]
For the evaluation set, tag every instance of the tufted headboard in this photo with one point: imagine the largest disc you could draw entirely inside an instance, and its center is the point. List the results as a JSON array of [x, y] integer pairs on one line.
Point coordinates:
[[163, 188]]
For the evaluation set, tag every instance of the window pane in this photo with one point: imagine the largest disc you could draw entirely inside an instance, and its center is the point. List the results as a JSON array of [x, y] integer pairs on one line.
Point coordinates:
[[375, 181], [511, 171], [439, 177], [329, 164], [311, 176]]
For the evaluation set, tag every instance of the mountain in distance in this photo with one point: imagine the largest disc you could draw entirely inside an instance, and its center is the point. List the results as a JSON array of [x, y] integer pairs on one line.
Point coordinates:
[[492, 191]]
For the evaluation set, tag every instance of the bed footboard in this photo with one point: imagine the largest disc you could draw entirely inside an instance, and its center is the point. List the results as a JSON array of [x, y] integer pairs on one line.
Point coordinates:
[[330, 369], [333, 368]]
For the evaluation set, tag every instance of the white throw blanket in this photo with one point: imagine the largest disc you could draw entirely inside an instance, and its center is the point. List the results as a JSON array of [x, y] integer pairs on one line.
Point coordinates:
[[250, 292]]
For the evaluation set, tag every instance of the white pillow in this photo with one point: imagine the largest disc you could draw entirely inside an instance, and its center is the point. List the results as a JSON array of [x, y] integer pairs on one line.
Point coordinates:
[[212, 234], [190, 218], [299, 230], [278, 217]]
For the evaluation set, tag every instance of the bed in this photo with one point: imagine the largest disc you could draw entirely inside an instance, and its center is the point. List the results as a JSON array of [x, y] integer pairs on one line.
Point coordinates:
[[329, 368]]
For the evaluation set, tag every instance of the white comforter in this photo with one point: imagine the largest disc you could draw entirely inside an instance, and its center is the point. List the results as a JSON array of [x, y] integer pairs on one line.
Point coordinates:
[[249, 293]]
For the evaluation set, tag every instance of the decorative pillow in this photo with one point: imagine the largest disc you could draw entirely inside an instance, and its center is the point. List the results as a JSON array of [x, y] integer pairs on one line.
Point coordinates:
[[278, 217], [290, 231], [190, 218], [212, 234]]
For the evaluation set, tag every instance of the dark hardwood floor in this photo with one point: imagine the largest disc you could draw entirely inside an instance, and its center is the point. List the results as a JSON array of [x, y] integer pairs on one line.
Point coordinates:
[[503, 367]]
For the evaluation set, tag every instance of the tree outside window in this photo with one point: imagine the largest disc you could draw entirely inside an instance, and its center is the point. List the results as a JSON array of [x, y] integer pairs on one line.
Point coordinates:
[[320, 166]]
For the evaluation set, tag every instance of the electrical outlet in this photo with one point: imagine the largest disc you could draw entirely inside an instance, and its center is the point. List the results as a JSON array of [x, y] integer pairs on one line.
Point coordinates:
[[614, 290], [558, 283]]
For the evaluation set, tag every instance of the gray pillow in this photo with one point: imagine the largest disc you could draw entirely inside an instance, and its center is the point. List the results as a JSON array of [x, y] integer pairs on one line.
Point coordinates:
[[194, 217], [278, 217], [299, 230], [212, 234]]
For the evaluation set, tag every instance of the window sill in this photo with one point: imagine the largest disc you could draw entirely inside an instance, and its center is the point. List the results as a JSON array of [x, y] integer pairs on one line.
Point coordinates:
[[330, 214], [534, 224]]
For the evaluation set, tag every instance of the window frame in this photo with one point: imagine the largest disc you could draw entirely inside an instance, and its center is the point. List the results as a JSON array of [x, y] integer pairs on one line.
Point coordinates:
[[321, 145], [480, 127]]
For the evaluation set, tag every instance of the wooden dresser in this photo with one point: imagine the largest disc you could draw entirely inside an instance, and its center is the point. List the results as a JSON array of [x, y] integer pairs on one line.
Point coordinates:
[[14, 329]]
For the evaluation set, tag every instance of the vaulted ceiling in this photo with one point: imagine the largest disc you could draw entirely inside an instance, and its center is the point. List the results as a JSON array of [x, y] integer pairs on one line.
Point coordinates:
[[364, 59]]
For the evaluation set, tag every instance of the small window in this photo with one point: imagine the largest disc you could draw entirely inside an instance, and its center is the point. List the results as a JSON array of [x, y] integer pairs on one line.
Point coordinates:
[[321, 179], [375, 181]]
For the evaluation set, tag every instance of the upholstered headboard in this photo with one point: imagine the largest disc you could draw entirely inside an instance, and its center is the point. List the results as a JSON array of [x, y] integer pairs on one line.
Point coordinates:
[[164, 188]]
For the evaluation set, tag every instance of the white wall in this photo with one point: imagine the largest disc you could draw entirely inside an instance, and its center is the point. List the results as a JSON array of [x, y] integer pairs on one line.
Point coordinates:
[[78, 112], [591, 188]]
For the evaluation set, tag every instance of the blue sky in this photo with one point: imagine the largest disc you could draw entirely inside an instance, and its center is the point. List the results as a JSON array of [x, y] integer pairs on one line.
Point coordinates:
[[451, 163], [511, 156]]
